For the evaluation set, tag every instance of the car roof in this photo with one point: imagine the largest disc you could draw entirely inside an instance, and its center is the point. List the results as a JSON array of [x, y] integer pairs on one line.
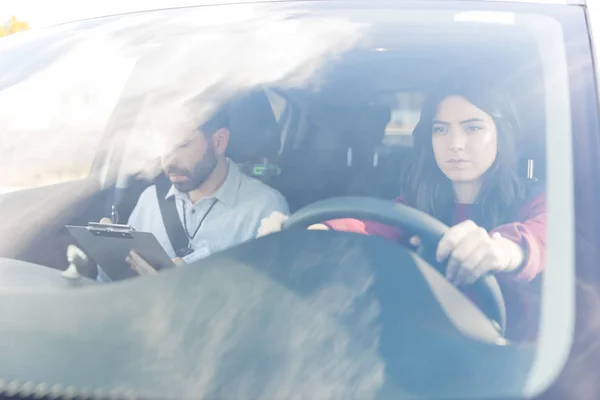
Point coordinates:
[[224, 2], [127, 8], [562, 2], [191, 3], [169, 3]]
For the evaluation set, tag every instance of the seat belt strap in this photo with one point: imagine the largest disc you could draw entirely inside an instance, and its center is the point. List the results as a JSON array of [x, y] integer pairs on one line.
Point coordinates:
[[168, 209]]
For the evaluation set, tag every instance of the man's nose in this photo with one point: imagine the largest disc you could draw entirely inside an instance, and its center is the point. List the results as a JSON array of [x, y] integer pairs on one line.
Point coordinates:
[[168, 157], [457, 140]]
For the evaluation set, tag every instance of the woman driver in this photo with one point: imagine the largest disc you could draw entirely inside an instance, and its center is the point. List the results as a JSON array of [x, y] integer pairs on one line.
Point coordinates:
[[465, 174]]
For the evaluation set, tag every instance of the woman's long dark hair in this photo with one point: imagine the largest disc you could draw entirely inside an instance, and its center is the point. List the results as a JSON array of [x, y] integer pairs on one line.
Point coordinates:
[[426, 188]]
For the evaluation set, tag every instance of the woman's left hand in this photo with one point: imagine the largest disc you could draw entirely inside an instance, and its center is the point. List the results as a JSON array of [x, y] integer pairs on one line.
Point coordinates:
[[471, 253]]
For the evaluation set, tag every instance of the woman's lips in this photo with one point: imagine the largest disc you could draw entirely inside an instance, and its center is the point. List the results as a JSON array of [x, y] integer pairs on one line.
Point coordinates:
[[458, 163]]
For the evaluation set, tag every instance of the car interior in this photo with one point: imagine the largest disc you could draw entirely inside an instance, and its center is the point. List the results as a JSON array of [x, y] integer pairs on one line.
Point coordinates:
[[332, 143], [319, 144]]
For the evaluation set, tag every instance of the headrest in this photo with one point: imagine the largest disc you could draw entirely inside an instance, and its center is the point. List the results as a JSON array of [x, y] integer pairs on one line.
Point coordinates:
[[368, 125], [254, 132], [356, 125]]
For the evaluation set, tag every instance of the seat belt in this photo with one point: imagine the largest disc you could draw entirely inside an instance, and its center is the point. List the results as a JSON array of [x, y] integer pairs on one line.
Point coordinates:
[[168, 209]]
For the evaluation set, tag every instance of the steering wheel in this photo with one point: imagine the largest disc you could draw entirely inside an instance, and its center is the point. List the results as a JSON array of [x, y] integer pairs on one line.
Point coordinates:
[[428, 229]]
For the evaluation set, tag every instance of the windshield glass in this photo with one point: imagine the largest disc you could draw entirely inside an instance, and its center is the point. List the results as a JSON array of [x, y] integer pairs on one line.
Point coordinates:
[[432, 135]]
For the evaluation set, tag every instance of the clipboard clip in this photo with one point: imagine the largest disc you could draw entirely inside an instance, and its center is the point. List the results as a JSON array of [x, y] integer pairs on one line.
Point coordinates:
[[110, 230]]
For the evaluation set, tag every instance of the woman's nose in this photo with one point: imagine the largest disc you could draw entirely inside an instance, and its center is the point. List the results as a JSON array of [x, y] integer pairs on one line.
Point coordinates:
[[457, 140]]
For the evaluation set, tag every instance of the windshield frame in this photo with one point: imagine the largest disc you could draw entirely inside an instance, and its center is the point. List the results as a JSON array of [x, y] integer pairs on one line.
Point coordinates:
[[108, 160], [544, 369]]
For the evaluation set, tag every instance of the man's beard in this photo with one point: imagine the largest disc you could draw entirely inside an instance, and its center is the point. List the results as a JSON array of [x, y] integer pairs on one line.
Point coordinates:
[[201, 172]]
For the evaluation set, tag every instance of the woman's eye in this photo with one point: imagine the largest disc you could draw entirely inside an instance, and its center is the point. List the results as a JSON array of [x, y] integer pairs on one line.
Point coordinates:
[[439, 129], [473, 129]]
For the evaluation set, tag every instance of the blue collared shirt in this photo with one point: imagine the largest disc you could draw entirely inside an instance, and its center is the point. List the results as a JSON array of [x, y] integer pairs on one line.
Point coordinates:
[[239, 205]]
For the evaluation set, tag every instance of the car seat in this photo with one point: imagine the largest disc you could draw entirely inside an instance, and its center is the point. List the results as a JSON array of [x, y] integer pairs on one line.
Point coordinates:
[[255, 136], [336, 154]]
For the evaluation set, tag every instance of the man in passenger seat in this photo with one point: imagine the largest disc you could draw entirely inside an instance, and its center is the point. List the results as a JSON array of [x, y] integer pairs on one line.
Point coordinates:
[[218, 206]]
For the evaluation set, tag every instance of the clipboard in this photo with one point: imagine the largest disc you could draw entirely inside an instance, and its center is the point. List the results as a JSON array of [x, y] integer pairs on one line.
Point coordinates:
[[109, 244]]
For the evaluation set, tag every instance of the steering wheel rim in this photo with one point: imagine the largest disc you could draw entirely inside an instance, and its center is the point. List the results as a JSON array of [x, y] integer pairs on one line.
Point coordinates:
[[428, 229]]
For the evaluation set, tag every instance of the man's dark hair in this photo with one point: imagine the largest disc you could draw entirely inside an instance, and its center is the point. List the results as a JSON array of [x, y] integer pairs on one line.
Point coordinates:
[[218, 120]]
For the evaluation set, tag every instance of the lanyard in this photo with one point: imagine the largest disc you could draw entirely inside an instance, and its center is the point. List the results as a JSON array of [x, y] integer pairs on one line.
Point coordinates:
[[191, 237]]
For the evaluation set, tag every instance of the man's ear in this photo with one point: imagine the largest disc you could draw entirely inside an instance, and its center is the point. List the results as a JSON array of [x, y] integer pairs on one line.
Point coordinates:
[[220, 140]]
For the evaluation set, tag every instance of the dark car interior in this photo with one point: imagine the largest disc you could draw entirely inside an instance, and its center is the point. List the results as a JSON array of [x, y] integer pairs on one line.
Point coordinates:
[[326, 143]]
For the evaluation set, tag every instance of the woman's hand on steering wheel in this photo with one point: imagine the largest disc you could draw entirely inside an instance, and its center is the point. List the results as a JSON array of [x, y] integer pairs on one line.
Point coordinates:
[[470, 253]]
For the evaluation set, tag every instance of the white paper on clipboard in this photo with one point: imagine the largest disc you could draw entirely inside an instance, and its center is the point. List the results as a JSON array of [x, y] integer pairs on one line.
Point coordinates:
[[108, 245]]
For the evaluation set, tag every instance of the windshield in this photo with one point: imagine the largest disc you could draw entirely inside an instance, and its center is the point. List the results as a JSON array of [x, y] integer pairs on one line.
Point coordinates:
[[206, 131]]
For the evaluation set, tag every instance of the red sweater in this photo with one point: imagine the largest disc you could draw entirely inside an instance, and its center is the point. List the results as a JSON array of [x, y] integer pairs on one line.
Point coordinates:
[[528, 230]]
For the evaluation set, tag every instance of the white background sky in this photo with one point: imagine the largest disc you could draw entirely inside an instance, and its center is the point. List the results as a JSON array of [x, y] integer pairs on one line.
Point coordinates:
[[40, 13]]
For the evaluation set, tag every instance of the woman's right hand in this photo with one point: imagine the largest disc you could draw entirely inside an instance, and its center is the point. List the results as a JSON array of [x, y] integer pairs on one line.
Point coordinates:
[[274, 223]]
